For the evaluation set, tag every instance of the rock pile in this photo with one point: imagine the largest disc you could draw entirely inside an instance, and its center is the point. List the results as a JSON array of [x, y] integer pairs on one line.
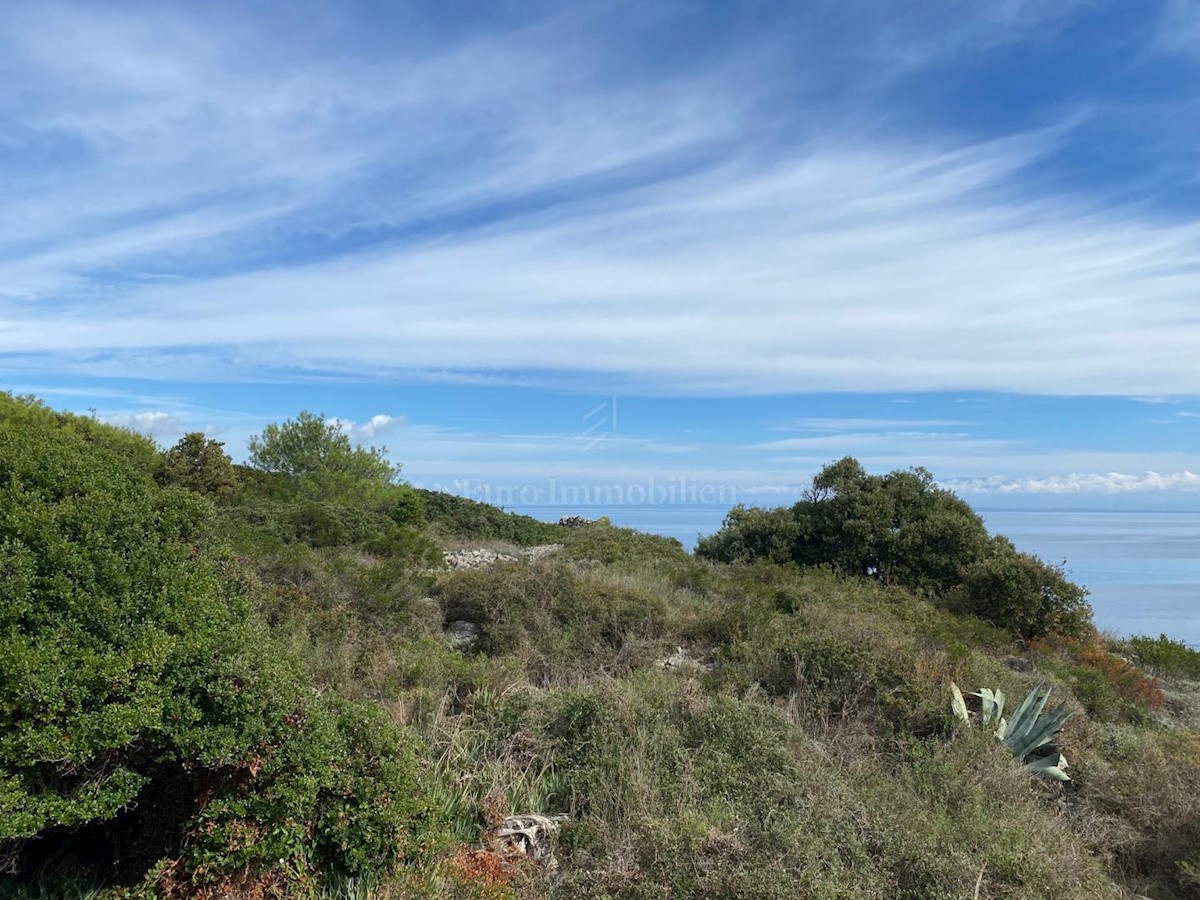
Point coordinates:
[[529, 835], [479, 557], [474, 559], [575, 521]]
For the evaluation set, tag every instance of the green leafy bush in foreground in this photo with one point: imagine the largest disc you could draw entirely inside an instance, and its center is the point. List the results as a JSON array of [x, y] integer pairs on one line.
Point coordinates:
[[144, 708]]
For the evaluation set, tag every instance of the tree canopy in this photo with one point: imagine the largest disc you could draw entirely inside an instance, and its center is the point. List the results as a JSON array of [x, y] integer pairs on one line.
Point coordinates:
[[200, 465], [322, 461], [901, 528]]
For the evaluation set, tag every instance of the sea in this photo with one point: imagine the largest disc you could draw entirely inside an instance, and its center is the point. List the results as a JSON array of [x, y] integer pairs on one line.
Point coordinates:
[[1142, 569]]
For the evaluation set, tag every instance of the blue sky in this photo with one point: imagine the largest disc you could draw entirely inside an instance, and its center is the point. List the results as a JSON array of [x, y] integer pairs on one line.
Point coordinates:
[[961, 235]]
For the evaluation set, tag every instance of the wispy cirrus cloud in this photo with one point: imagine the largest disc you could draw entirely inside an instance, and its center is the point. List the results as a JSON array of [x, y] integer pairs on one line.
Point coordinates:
[[751, 284], [834, 423], [533, 202]]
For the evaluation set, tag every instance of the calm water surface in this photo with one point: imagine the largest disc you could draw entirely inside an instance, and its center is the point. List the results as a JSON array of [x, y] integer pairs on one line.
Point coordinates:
[[1142, 568]]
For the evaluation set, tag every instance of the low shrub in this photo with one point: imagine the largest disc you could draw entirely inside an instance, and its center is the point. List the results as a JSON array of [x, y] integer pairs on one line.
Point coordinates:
[[610, 544], [1151, 788], [1108, 686], [1166, 657], [827, 675], [560, 622], [461, 517], [675, 792]]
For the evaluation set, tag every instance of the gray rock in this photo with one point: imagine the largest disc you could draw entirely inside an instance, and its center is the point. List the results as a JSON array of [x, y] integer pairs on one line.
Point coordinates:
[[575, 521], [461, 635], [682, 661]]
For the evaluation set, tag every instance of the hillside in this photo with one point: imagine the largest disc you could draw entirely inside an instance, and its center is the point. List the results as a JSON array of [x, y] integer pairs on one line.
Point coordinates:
[[262, 681]]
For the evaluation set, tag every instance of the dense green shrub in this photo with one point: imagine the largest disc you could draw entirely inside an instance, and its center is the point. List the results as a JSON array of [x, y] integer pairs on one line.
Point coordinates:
[[142, 701], [136, 449], [461, 517], [900, 528], [199, 465], [260, 525], [338, 796], [753, 533], [1019, 592], [408, 507]]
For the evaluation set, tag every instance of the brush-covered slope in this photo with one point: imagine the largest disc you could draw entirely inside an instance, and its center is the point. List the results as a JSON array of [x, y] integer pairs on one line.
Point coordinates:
[[259, 682]]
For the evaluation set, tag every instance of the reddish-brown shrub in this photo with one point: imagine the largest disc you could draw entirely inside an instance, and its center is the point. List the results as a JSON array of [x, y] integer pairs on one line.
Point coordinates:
[[1130, 682]]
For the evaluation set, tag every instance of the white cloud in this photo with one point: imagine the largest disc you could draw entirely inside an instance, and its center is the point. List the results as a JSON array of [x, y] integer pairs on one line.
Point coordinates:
[[365, 432], [911, 443], [152, 423], [774, 490], [1107, 483], [1179, 27], [728, 282]]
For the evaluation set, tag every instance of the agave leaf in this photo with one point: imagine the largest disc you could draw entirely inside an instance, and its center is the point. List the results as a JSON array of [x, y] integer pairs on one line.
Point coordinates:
[[958, 704], [1053, 766], [1030, 728], [1039, 737], [1043, 732], [1027, 716], [992, 705]]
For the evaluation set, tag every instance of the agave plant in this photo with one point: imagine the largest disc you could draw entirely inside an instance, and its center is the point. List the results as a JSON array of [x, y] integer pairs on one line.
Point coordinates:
[[1030, 729]]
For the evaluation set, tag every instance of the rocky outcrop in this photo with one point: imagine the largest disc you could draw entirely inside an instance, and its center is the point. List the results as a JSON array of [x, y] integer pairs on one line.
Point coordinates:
[[575, 521]]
